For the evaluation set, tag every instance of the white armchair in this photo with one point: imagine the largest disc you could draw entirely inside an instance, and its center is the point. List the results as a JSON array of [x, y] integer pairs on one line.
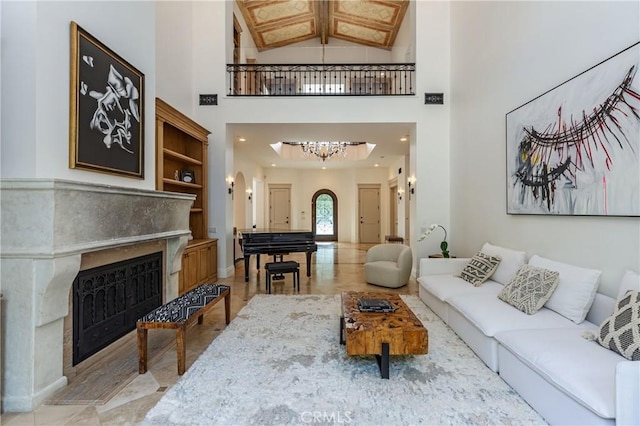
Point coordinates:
[[388, 265]]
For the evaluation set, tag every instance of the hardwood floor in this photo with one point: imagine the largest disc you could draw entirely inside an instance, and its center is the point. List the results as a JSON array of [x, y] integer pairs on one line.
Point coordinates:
[[336, 267]]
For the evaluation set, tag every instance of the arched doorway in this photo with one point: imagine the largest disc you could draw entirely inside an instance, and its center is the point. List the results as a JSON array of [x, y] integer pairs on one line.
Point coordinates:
[[324, 206]]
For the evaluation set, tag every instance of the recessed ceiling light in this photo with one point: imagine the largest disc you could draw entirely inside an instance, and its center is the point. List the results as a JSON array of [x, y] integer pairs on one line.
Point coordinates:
[[401, 139], [324, 168], [273, 164], [241, 139], [376, 165]]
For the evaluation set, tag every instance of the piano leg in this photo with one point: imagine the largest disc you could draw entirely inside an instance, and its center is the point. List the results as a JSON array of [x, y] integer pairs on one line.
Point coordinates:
[[246, 268], [308, 264]]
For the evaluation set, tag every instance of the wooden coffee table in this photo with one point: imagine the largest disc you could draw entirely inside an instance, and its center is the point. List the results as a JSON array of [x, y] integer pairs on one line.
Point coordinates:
[[381, 334]]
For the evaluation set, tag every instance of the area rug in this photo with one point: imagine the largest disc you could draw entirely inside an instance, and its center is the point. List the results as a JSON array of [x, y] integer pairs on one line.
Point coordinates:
[[280, 362]]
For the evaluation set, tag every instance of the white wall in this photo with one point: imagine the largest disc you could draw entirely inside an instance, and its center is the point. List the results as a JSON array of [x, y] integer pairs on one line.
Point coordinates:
[[254, 179], [174, 57], [401, 163], [344, 183], [431, 137], [36, 75], [503, 55], [306, 182]]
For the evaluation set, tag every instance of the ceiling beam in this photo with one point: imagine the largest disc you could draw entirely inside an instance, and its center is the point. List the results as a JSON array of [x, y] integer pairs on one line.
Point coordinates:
[[323, 20]]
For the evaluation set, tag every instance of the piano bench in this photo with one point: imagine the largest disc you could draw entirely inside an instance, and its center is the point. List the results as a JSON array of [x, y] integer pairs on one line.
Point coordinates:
[[278, 268]]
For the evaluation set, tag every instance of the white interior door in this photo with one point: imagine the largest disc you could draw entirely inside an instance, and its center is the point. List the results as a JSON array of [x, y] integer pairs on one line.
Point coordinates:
[[280, 207], [369, 214]]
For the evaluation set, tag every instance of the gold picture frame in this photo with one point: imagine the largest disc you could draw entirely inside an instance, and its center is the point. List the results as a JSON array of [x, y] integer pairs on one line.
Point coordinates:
[[106, 132]]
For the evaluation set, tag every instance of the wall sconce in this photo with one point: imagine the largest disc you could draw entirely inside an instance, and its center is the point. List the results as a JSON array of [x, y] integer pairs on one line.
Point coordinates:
[[231, 184], [249, 193], [411, 183]]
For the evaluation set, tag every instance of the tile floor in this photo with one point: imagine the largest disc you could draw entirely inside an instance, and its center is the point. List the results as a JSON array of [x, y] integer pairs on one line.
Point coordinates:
[[336, 267]]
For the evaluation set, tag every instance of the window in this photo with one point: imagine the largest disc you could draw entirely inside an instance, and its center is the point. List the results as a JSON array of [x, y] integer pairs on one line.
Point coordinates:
[[325, 215]]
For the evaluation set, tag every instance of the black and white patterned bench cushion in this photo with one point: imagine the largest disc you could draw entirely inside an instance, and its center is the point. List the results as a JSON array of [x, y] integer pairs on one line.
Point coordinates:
[[182, 307]]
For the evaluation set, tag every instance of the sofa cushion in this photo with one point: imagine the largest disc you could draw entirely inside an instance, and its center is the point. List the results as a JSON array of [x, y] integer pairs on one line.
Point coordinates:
[[445, 286], [621, 331], [511, 261], [579, 367], [480, 268], [630, 281], [575, 292], [530, 288], [491, 315]]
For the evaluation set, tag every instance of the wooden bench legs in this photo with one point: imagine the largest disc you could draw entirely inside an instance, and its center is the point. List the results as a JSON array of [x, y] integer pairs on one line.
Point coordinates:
[[181, 349], [227, 309], [181, 330], [142, 350]]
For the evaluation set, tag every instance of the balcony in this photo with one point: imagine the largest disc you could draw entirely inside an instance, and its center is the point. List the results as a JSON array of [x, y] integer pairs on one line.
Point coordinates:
[[320, 79]]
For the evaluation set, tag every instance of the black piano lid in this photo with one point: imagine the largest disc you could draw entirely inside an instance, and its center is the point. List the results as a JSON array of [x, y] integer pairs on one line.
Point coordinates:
[[277, 236], [273, 231]]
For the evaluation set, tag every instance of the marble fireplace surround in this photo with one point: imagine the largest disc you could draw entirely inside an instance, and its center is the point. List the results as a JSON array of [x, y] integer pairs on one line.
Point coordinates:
[[47, 225]]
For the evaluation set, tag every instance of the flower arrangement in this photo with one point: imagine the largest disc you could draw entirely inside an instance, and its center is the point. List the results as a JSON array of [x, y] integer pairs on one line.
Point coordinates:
[[444, 246]]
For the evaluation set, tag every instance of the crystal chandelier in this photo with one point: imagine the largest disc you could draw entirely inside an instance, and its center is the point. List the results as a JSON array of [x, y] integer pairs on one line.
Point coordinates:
[[324, 149]]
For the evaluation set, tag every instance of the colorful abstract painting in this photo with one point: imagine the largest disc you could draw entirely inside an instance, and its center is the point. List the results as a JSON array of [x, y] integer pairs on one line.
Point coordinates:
[[575, 150]]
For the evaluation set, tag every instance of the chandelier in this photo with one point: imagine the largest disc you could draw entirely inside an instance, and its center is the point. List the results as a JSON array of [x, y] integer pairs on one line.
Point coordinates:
[[324, 149]]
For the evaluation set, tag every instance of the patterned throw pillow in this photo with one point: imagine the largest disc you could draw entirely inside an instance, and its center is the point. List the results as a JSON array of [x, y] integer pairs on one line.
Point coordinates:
[[621, 331], [479, 268], [530, 289]]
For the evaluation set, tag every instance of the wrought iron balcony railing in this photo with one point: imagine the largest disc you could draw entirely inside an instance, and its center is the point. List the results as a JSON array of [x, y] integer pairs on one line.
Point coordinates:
[[321, 79]]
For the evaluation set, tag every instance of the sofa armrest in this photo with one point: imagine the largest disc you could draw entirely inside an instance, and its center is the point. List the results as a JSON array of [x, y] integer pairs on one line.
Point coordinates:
[[628, 393], [438, 266]]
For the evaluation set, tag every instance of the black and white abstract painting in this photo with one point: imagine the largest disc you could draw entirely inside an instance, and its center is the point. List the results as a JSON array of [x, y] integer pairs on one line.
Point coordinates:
[[575, 150], [107, 109]]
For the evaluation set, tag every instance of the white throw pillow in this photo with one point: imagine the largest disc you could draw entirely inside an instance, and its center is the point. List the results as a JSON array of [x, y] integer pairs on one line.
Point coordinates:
[[510, 264], [576, 290], [630, 281]]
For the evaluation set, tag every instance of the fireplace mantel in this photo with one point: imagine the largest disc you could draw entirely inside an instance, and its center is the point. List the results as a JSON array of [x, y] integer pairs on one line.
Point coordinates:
[[47, 225]]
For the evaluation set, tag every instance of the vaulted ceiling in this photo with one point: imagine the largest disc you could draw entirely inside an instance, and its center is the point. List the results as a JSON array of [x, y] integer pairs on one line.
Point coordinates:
[[277, 23]]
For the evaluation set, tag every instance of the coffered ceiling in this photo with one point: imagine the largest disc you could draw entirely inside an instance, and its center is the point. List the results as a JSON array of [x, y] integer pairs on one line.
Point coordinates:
[[277, 23]]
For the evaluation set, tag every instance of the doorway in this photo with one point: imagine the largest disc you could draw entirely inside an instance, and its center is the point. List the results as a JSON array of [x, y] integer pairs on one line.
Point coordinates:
[[369, 213], [324, 207], [393, 207], [280, 206]]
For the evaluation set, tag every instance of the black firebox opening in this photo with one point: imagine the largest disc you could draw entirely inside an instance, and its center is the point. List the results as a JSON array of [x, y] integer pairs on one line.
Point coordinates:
[[109, 299]]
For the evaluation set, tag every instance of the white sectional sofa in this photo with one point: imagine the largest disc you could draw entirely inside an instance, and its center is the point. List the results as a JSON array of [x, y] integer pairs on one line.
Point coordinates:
[[546, 357]]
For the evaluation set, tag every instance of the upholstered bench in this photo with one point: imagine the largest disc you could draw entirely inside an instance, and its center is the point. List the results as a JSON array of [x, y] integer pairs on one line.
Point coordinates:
[[279, 268], [178, 314]]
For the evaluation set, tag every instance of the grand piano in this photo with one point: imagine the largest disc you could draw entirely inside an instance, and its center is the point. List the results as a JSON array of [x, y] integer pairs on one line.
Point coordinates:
[[275, 242]]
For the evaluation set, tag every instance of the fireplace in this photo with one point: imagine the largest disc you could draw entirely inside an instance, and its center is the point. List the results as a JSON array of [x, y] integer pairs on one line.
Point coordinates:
[[108, 300], [51, 231]]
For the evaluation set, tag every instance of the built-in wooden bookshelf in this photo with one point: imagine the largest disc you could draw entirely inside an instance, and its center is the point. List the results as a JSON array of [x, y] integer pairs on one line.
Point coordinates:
[[181, 166]]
